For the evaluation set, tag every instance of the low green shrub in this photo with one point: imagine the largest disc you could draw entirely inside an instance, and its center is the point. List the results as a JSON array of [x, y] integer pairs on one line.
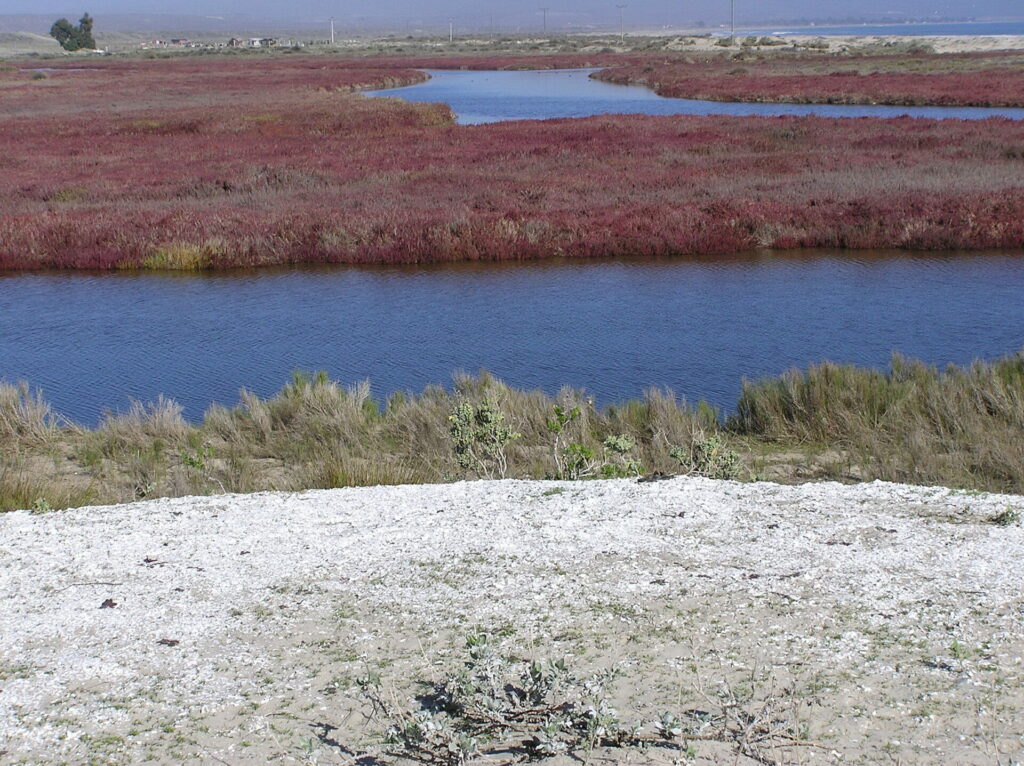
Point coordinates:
[[708, 456], [480, 437], [498, 703], [1006, 518]]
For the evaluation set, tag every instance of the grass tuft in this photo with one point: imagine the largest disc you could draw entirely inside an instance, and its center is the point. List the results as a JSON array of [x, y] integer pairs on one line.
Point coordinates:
[[25, 417], [960, 426]]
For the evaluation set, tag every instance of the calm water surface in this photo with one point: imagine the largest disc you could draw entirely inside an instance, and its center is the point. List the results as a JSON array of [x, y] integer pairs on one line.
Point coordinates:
[[482, 97], [93, 342], [955, 28]]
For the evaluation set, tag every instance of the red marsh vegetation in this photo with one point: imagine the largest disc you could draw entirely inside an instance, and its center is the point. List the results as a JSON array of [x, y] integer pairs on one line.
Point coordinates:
[[926, 79], [217, 163]]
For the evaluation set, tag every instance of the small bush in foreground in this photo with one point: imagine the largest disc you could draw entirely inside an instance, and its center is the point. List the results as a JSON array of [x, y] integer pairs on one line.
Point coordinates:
[[708, 456], [479, 438], [1006, 518], [501, 708]]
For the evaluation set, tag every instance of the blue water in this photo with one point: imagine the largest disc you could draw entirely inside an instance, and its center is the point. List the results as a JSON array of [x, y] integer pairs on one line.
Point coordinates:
[[94, 341], [983, 28], [482, 97]]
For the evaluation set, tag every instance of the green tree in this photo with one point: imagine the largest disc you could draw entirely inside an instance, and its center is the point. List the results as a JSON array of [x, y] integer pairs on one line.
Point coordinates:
[[65, 34], [72, 38], [85, 38]]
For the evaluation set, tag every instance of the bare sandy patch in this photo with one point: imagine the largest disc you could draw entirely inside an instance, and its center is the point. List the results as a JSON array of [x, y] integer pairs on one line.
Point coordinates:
[[234, 629], [847, 43]]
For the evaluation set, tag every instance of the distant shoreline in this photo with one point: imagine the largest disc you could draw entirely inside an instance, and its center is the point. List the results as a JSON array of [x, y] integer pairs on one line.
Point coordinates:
[[836, 42]]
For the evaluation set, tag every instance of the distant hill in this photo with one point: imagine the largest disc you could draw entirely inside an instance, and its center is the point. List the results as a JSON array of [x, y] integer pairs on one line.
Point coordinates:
[[152, 24], [13, 43]]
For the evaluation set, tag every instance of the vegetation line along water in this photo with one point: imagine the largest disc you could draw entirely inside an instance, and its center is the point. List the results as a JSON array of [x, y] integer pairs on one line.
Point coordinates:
[[960, 427]]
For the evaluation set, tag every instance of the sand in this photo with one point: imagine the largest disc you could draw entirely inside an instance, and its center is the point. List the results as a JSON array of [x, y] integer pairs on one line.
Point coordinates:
[[846, 44], [235, 627]]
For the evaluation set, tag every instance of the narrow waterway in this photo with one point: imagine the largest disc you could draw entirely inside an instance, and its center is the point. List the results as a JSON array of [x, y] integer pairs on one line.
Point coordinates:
[[490, 96], [94, 341]]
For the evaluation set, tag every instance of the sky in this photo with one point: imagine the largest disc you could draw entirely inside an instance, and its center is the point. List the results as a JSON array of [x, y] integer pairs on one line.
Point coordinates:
[[522, 12]]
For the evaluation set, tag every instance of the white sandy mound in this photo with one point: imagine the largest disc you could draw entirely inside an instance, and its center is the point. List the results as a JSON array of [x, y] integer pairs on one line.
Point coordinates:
[[222, 611]]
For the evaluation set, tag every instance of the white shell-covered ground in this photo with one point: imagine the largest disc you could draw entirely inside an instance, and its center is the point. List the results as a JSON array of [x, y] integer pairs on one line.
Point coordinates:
[[231, 629]]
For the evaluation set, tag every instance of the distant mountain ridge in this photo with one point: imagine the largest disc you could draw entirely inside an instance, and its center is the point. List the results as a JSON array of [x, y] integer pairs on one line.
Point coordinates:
[[154, 23]]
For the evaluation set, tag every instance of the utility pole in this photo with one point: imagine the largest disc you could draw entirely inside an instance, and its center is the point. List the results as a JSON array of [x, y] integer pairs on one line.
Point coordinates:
[[332, 30], [622, 29], [451, 32], [545, 23], [733, 20]]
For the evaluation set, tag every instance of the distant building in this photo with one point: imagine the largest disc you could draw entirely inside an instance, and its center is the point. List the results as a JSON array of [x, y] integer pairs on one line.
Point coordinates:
[[175, 42], [253, 42]]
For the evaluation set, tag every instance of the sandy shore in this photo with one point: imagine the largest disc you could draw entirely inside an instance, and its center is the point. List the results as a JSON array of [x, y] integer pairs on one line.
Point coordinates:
[[842, 43], [235, 626], [950, 44]]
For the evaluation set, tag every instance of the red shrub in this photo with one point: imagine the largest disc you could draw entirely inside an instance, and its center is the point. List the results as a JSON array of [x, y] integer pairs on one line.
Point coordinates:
[[218, 163], [971, 80]]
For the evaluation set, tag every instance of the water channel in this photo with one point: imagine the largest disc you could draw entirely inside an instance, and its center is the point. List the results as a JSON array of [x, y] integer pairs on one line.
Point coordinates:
[[698, 325], [489, 96]]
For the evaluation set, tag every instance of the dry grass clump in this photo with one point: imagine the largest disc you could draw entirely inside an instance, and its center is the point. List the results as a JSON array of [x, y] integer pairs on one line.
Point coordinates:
[[962, 426], [308, 411], [34, 483], [141, 426], [320, 435], [25, 417]]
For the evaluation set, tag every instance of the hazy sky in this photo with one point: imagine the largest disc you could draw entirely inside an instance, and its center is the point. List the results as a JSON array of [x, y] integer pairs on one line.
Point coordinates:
[[401, 12]]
